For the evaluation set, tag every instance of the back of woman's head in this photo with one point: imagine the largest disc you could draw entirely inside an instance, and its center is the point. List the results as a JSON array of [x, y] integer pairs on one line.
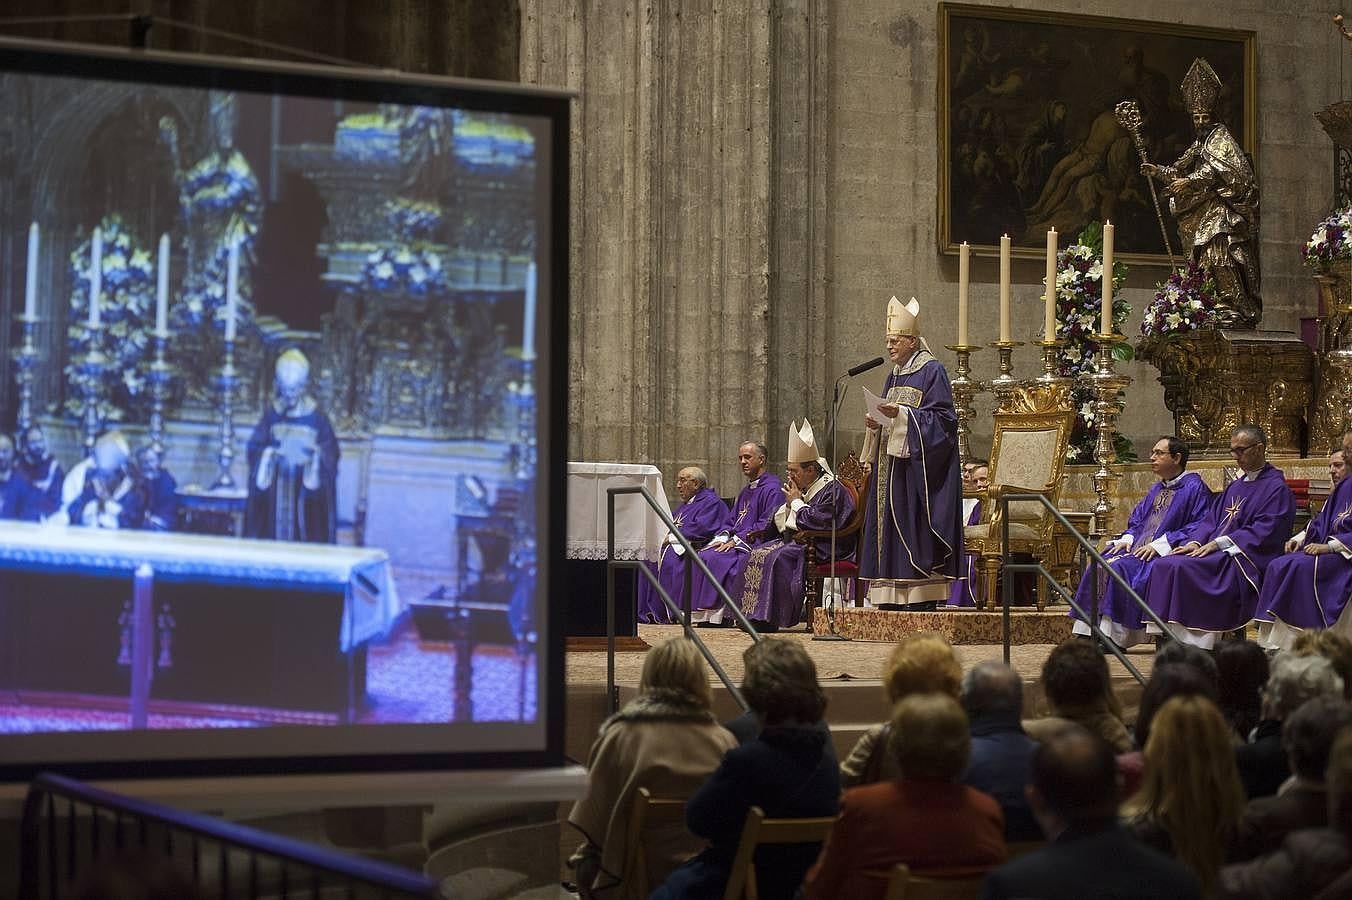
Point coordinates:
[[1166, 682], [780, 683], [1296, 678], [930, 738], [1075, 676], [1242, 669], [1191, 784], [676, 665], [1333, 647], [922, 663]]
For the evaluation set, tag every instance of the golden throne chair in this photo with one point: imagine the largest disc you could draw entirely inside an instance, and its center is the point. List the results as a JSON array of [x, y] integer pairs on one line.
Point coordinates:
[[1028, 456]]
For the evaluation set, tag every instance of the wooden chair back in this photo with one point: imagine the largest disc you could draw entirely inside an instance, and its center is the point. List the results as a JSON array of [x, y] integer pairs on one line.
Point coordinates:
[[906, 885], [648, 812], [759, 831]]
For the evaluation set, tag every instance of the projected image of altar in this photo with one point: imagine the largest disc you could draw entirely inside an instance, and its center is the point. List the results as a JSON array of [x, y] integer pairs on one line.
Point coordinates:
[[279, 350]]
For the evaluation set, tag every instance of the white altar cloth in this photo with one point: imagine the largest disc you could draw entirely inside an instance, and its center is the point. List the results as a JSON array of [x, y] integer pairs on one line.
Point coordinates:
[[639, 533], [361, 573]]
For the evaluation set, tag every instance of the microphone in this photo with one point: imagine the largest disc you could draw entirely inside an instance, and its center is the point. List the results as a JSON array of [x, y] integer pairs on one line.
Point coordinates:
[[865, 366]]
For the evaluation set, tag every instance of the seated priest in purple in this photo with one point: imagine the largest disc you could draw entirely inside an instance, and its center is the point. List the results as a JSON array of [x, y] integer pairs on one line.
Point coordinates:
[[912, 535], [701, 515], [749, 527], [159, 490], [109, 498], [40, 467], [1174, 504], [975, 477], [1209, 582], [770, 586], [1309, 586], [18, 498]]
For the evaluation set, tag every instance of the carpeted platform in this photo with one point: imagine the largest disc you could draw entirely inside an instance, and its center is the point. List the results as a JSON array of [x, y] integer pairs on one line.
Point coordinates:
[[959, 626]]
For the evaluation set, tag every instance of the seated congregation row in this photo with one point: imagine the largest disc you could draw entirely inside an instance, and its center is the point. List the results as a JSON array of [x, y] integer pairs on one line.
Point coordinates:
[[1235, 782]]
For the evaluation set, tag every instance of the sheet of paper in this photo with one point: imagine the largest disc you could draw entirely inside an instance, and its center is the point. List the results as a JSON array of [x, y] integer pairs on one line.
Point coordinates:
[[871, 403]]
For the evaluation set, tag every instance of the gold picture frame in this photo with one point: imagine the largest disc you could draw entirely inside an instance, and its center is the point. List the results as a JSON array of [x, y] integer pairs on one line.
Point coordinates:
[[1027, 138]]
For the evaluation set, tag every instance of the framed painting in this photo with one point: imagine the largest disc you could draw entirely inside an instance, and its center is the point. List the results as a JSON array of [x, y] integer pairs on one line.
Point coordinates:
[[1028, 138]]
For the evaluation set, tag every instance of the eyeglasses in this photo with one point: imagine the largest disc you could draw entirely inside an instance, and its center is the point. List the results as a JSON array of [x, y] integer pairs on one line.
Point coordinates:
[[1240, 451]]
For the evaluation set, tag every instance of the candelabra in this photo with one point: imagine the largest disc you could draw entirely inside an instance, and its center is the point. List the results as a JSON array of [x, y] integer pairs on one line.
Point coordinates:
[[1105, 384], [227, 381], [26, 358], [1005, 382], [965, 390], [91, 366], [158, 378], [1050, 362]]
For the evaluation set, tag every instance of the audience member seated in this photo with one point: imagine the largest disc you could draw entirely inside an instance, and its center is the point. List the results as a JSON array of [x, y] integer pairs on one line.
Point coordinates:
[[786, 771], [701, 515], [159, 490], [1334, 647], [1002, 752], [1173, 504], [1312, 859], [1294, 679], [18, 498], [1191, 800], [1076, 683], [921, 663], [1307, 737], [1209, 583], [1242, 667], [770, 588], [1308, 586], [927, 819], [1179, 652], [1174, 679], [666, 740], [1073, 794]]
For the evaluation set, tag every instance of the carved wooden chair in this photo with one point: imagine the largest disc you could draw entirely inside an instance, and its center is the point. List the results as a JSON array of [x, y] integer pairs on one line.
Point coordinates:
[[1028, 454], [854, 479]]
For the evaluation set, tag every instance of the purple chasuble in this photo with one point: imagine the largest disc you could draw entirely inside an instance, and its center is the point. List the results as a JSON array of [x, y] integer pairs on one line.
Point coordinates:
[[1307, 591], [770, 585], [913, 524], [968, 587], [1166, 512], [1219, 592], [699, 519], [20, 500], [751, 521]]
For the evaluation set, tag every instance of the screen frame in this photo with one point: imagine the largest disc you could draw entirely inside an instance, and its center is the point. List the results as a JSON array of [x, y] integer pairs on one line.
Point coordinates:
[[370, 85]]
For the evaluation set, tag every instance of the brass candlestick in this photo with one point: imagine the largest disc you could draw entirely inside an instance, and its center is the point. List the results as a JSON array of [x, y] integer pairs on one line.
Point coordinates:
[[1050, 349], [965, 390], [1106, 385], [26, 358], [91, 366], [1003, 383]]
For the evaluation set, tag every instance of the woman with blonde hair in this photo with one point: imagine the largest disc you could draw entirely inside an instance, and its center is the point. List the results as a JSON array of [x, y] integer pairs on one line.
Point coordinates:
[[666, 740], [922, 663], [1191, 800]]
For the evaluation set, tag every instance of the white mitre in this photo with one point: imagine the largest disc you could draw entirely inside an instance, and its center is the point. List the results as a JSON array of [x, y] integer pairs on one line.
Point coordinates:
[[802, 443], [903, 318]]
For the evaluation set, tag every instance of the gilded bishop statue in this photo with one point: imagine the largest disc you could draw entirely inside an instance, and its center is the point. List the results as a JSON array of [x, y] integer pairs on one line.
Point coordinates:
[[1213, 194]]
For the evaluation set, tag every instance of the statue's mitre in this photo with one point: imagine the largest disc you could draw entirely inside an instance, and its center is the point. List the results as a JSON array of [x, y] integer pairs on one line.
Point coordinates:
[[903, 318], [1201, 87], [802, 443]]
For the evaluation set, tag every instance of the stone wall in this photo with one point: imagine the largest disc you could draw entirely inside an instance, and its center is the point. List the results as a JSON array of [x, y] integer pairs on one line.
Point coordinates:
[[753, 182]]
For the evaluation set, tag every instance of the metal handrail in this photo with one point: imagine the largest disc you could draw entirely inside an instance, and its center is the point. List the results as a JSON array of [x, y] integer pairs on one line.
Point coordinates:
[[691, 557], [1096, 559]]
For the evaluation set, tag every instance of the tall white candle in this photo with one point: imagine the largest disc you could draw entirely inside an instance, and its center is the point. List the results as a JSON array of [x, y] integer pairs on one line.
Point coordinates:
[[1049, 323], [95, 276], [1004, 288], [528, 317], [30, 287], [964, 269], [1106, 324], [232, 290], [162, 290]]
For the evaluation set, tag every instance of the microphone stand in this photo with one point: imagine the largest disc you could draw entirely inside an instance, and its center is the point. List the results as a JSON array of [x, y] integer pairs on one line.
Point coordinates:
[[837, 397]]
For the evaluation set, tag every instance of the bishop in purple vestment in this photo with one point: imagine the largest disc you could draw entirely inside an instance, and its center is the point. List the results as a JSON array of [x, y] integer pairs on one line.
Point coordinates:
[[969, 586], [1309, 587], [748, 527], [913, 523], [770, 585], [1174, 504], [1209, 585], [701, 515]]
